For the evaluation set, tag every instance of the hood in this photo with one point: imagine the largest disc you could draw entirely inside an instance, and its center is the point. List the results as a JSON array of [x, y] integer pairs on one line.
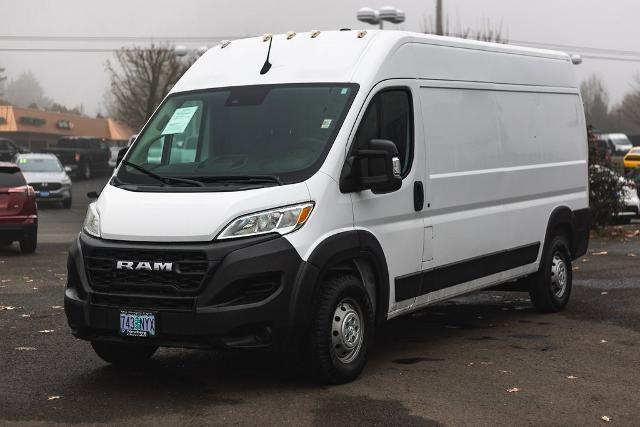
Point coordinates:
[[185, 217], [44, 176]]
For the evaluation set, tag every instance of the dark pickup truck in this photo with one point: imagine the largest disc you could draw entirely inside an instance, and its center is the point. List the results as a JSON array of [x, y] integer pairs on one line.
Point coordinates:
[[85, 156]]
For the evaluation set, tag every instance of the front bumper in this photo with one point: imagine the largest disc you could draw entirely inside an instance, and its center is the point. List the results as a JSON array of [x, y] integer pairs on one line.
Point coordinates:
[[217, 313], [54, 196]]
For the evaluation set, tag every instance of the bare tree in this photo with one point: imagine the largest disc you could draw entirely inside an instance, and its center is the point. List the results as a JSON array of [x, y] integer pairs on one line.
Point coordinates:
[[2, 79], [140, 79], [630, 105], [596, 102], [26, 91], [487, 32]]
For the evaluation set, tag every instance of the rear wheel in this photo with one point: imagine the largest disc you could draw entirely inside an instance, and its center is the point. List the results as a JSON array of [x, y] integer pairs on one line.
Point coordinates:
[[123, 354], [29, 243], [342, 330], [551, 285]]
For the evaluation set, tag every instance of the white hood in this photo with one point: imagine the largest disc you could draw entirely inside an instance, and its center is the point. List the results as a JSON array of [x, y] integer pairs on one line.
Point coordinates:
[[44, 176], [185, 217]]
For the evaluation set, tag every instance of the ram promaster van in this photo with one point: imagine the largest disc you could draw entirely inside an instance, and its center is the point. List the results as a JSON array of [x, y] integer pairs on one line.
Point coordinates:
[[294, 191]]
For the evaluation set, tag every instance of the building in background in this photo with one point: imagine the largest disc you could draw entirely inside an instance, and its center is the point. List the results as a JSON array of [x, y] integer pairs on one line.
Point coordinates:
[[37, 129]]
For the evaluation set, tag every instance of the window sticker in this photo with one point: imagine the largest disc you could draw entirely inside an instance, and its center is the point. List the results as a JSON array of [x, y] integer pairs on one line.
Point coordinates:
[[325, 124], [344, 91], [179, 121], [22, 161]]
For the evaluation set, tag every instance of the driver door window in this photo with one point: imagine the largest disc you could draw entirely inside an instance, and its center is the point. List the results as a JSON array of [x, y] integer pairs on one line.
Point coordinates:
[[389, 116]]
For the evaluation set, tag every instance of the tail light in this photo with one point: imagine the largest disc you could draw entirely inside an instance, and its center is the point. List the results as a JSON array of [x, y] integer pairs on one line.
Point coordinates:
[[77, 157]]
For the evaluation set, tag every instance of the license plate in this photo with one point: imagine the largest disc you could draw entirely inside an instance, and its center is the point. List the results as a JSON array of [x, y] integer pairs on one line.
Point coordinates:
[[137, 324], [44, 194]]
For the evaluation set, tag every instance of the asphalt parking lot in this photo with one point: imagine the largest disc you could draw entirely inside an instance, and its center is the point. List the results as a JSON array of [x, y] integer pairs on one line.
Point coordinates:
[[484, 359]]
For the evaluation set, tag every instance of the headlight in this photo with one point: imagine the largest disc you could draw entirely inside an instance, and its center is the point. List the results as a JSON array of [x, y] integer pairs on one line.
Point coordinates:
[[281, 220], [65, 182], [92, 221]]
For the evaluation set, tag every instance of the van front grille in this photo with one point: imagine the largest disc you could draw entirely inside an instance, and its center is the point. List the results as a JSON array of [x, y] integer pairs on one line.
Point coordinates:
[[147, 271]]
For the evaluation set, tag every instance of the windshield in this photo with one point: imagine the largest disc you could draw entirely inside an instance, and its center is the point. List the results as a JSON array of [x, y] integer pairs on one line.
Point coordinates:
[[275, 131], [39, 164]]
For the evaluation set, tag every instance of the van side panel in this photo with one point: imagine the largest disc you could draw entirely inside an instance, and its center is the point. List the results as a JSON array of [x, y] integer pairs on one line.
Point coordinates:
[[506, 145]]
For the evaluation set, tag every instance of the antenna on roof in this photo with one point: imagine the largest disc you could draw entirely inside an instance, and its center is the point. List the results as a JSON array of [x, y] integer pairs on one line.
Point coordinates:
[[267, 65]]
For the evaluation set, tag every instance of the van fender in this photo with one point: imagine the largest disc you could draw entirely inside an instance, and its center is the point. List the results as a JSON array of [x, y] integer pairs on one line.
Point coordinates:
[[577, 224], [355, 250]]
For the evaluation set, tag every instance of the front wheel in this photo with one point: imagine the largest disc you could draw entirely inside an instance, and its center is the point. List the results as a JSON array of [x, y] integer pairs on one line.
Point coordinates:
[[66, 203], [123, 354], [342, 330], [551, 285]]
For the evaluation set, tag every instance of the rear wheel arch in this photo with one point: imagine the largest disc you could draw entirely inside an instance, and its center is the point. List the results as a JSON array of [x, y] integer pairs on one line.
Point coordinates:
[[562, 220]]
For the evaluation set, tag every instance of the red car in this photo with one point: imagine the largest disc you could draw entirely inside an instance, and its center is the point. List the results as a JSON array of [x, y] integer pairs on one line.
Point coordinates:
[[18, 209]]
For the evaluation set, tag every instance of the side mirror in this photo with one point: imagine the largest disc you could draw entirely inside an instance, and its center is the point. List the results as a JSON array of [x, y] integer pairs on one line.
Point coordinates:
[[376, 168], [68, 169], [121, 154], [93, 194]]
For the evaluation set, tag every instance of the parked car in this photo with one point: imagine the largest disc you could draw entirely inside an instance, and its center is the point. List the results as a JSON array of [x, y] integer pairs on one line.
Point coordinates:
[[86, 157], [47, 176], [8, 150], [18, 209], [633, 175], [632, 159], [629, 196], [368, 175], [618, 142], [115, 150]]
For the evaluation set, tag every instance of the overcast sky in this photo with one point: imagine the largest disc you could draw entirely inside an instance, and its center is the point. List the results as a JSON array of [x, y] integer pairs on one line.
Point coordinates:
[[74, 78]]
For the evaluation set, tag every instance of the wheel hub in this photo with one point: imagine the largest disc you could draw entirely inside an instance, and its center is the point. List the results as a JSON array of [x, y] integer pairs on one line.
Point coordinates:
[[347, 330], [558, 276]]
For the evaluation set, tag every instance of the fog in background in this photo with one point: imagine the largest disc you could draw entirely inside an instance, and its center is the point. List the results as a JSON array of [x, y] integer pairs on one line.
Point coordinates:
[[74, 78]]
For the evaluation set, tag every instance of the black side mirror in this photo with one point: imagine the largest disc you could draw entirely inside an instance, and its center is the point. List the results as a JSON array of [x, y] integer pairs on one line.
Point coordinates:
[[376, 168], [121, 154], [93, 194]]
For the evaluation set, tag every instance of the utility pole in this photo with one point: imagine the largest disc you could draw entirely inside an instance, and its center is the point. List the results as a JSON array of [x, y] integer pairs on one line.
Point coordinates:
[[439, 25]]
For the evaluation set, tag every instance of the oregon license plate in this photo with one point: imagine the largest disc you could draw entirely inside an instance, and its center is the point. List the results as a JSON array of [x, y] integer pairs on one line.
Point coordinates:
[[137, 324]]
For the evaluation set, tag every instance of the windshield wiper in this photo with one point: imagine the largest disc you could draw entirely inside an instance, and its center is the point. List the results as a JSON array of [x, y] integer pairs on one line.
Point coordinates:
[[251, 179], [164, 179]]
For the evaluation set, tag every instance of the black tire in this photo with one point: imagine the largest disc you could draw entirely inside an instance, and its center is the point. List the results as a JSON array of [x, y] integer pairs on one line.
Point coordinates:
[[329, 356], [29, 243], [123, 354], [66, 203], [551, 285]]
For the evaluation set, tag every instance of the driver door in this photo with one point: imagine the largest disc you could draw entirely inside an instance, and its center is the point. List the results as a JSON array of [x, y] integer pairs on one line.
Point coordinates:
[[393, 217]]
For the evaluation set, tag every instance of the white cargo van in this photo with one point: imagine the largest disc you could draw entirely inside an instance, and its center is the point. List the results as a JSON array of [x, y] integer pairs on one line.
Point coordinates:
[[331, 181]]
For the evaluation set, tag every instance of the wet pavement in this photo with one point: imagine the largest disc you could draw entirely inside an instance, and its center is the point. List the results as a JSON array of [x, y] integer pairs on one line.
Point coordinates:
[[488, 358]]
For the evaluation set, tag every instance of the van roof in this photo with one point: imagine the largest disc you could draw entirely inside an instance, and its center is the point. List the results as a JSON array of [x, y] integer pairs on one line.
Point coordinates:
[[330, 56]]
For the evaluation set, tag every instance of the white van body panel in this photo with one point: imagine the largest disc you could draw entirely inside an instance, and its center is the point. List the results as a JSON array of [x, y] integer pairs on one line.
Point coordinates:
[[499, 144], [184, 217]]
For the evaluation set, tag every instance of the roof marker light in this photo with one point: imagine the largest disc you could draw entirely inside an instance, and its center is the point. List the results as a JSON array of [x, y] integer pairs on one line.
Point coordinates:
[[224, 43], [266, 37], [290, 35], [576, 59], [315, 33], [362, 33]]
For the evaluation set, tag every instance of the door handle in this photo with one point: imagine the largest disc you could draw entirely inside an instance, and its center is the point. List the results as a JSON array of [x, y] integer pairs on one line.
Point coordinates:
[[418, 196]]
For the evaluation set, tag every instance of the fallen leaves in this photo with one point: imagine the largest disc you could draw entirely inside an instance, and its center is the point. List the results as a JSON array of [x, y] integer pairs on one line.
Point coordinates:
[[605, 418], [513, 390], [46, 331], [600, 253], [571, 377], [56, 307], [603, 341], [604, 293], [54, 397], [631, 254], [7, 307], [25, 348]]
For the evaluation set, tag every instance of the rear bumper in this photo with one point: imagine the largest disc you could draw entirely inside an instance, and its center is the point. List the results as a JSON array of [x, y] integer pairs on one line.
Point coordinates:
[[17, 228], [212, 317]]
